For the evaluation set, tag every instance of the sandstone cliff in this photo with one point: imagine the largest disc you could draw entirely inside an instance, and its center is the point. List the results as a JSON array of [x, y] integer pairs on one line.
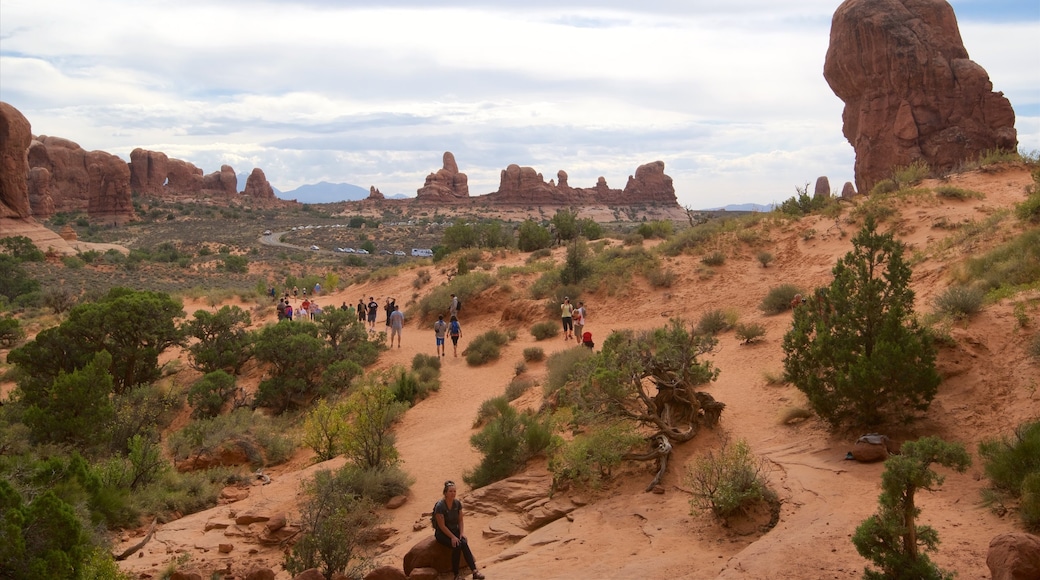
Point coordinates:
[[910, 91], [447, 184], [15, 136]]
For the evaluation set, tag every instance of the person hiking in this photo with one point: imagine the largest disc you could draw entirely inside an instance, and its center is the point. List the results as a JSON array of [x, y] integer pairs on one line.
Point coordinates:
[[455, 331], [566, 313], [440, 329], [362, 310], [373, 310], [396, 322], [578, 319], [453, 308]]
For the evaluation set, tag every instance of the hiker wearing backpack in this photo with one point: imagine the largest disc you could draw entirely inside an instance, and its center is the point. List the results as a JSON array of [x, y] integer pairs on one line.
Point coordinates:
[[455, 331], [449, 530], [453, 308]]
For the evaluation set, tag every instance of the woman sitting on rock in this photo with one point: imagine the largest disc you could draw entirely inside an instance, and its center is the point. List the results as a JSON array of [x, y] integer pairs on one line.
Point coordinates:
[[448, 526]]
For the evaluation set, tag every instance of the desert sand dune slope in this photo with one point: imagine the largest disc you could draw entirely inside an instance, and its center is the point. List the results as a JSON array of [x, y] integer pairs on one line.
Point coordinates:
[[619, 531]]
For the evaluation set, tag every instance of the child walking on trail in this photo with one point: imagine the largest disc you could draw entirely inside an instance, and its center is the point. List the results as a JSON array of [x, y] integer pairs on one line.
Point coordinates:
[[455, 331]]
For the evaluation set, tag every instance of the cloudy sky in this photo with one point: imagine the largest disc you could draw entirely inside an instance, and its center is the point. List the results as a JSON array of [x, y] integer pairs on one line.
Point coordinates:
[[730, 95]]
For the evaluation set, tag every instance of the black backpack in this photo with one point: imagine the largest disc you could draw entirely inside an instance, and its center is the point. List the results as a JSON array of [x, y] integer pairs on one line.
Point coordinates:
[[458, 305]]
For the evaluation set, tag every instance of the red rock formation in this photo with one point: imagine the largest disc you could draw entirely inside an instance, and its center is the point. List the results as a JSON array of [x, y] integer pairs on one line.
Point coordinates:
[[258, 188], [109, 198], [183, 177], [15, 136], [40, 198], [848, 191], [910, 91], [148, 171], [375, 194], [445, 185], [94, 182], [823, 187], [221, 183], [525, 186]]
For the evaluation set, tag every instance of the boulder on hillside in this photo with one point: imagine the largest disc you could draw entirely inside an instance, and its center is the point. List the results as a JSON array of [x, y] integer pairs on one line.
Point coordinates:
[[428, 553], [910, 91], [386, 573], [148, 172], [258, 188], [1014, 556], [95, 182], [15, 137]]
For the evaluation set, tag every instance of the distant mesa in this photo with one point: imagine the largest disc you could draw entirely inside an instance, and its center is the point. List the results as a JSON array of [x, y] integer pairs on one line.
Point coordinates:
[[525, 186], [911, 93]]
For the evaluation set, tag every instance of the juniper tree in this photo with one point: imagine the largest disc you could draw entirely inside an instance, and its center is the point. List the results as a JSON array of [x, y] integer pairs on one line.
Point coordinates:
[[891, 538], [855, 348]]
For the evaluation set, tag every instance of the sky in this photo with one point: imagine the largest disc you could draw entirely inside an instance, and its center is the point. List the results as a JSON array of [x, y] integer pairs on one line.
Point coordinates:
[[729, 95]]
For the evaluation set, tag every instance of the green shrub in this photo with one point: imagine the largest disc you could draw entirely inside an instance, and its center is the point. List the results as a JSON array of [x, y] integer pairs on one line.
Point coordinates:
[[661, 278], [1016, 263], [489, 409], [517, 387], [485, 348], [712, 322], [728, 481], [209, 394], [335, 523], [11, 332], [179, 494], [912, 174], [590, 458], [545, 329], [750, 332], [779, 299], [506, 442], [1034, 348], [534, 354], [715, 258], [1013, 464], [1029, 210], [261, 438], [562, 365], [960, 301], [951, 192], [72, 262], [764, 258]]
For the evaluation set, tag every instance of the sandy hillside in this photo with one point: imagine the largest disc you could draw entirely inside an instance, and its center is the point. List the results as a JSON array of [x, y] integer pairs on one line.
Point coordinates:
[[621, 532]]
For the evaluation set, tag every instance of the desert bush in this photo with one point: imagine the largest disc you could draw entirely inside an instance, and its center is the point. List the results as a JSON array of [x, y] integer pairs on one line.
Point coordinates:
[[728, 481], [1033, 348], [655, 229], [465, 286], [715, 258], [661, 277], [690, 238], [1013, 467], [209, 394], [960, 301], [712, 322], [178, 494], [488, 410], [21, 248], [422, 278], [764, 258], [779, 299], [532, 236], [1013, 264], [508, 440], [517, 387], [1029, 210], [544, 330], [912, 174], [323, 429], [534, 354], [368, 439], [561, 366], [633, 239], [803, 203], [335, 523], [750, 332], [223, 341], [11, 332], [485, 348], [951, 192], [590, 458], [264, 440]]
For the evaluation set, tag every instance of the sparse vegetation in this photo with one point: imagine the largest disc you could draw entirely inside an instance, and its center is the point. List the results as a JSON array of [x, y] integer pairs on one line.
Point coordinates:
[[779, 299], [960, 301], [485, 348], [534, 354], [765, 258], [712, 322], [545, 329], [1013, 467], [728, 481], [750, 332], [951, 192]]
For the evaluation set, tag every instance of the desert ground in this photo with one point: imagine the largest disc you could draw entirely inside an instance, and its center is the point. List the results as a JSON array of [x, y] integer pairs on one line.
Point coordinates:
[[619, 531]]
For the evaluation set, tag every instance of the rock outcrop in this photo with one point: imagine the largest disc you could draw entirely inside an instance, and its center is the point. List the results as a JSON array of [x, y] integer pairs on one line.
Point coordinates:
[[148, 172], [446, 184], [1014, 556], [94, 182], [525, 186], [375, 194], [258, 188], [911, 93], [15, 136], [154, 174]]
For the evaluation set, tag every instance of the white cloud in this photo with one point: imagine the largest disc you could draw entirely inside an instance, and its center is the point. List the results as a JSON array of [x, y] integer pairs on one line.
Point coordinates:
[[730, 95]]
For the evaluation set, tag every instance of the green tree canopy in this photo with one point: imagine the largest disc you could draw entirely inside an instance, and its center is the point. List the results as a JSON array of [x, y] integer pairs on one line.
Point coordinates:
[[533, 236], [224, 343], [855, 348]]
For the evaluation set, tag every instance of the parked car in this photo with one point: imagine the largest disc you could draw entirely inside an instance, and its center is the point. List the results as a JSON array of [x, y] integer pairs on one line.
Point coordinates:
[[362, 251], [315, 248], [267, 232], [399, 253]]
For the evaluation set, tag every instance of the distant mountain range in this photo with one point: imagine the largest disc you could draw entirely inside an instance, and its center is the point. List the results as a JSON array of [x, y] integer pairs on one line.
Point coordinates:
[[325, 192], [743, 207]]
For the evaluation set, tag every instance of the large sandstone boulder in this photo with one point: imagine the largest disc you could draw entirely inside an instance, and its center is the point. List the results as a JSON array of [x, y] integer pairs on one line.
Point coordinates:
[[386, 573], [15, 137], [222, 183], [257, 186], [183, 177], [446, 184], [910, 91], [428, 553], [109, 198], [148, 171], [94, 182], [650, 185], [1014, 556]]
